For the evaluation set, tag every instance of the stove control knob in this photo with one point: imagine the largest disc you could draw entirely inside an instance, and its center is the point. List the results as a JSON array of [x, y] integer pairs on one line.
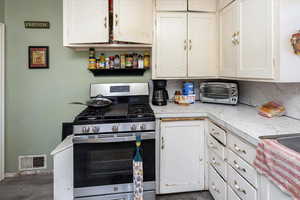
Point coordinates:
[[115, 128], [133, 127], [143, 127], [85, 129], [96, 129]]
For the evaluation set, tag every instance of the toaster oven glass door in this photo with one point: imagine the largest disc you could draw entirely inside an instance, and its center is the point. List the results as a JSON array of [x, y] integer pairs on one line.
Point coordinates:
[[216, 92]]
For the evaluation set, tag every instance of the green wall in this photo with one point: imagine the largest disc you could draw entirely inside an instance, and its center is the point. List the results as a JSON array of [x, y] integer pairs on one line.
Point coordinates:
[[2, 11], [37, 100]]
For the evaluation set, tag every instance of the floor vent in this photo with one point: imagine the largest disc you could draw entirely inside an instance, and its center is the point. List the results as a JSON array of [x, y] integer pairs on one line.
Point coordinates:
[[32, 162]]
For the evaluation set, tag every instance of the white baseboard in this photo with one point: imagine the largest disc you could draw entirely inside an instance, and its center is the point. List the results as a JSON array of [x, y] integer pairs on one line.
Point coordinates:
[[28, 173]]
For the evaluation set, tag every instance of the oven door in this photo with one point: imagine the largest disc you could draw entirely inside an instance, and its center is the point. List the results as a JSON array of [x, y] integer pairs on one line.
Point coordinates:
[[104, 165]]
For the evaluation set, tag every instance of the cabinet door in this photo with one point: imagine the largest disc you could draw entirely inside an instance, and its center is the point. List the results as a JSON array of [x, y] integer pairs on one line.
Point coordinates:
[[182, 147], [202, 37], [202, 5], [228, 47], [256, 39], [269, 191], [87, 21], [171, 5], [171, 45], [224, 3], [133, 21]]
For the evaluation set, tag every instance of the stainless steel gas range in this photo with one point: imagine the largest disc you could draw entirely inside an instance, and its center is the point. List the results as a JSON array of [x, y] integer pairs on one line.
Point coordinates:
[[104, 144]]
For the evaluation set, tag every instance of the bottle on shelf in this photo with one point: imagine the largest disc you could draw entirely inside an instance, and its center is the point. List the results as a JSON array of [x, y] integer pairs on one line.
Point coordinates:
[[135, 61], [92, 59], [146, 60], [140, 62], [102, 61], [123, 61], [117, 62], [129, 61]]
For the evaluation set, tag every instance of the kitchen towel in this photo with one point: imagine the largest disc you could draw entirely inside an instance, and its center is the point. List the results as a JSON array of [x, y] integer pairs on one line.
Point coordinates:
[[138, 171], [279, 164]]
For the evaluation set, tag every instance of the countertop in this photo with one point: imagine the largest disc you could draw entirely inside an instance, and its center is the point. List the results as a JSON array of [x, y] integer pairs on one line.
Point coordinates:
[[242, 120]]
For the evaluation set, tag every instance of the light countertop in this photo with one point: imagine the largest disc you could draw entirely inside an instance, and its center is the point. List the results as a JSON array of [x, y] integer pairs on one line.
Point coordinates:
[[241, 119]]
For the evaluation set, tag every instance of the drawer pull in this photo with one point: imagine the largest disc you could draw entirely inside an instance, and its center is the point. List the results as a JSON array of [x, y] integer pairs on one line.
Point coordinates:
[[215, 188], [238, 167], [215, 133], [238, 149], [238, 188], [211, 145], [214, 162]]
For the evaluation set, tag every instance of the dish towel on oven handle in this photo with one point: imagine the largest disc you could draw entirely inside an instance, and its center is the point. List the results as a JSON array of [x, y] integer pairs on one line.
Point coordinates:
[[279, 164], [138, 171]]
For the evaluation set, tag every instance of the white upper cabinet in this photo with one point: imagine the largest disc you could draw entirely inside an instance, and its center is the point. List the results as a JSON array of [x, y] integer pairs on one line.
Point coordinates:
[[133, 21], [182, 147], [185, 5], [202, 5], [223, 3], [85, 21], [171, 45], [228, 43], [255, 38], [171, 5], [202, 42]]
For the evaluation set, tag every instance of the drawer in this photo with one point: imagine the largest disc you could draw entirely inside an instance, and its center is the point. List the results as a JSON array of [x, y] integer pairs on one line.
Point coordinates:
[[242, 167], [216, 147], [216, 185], [231, 194], [241, 148], [242, 188], [218, 164], [217, 132]]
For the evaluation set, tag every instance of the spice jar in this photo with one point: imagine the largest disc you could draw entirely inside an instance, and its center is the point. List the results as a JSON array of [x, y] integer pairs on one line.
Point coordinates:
[[129, 61], [147, 60]]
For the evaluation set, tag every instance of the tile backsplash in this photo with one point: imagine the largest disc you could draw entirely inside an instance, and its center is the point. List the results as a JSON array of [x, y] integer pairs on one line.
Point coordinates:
[[256, 94]]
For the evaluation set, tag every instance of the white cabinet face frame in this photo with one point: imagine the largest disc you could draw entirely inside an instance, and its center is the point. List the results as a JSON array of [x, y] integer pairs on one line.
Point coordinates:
[[171, 45], [202, 5], [255, 36], [171, 5], [133, 21], [2, 103], [86, 22], [202, 48]]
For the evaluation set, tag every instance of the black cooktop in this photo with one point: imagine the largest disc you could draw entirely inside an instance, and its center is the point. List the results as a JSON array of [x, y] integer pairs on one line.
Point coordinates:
[[118, 111]]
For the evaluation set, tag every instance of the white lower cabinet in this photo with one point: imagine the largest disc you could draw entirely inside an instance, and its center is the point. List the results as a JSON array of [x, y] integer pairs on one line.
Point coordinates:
[[243, 189], [231, 195], [181, 156], [217, 186], [269, 191]]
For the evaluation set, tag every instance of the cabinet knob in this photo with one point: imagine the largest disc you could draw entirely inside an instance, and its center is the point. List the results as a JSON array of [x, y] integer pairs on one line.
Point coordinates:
[[117, 19], [105, 22]]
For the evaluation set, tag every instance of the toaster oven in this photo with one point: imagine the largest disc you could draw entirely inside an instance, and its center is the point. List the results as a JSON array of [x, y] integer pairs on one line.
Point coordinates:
[[219, 92]]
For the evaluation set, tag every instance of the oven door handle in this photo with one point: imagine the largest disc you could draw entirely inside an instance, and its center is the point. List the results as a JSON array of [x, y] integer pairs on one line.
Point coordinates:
[[116, 138]]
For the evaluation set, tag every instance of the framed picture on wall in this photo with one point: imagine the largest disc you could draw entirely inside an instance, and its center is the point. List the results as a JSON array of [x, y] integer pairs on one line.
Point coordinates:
[[38, 57]]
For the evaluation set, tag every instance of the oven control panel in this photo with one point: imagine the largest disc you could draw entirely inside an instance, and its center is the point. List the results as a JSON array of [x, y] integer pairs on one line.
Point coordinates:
[[113, 128]]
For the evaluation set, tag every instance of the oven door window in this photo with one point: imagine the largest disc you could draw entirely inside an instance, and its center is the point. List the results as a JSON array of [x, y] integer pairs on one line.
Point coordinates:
[[216, 92], [110, 163]]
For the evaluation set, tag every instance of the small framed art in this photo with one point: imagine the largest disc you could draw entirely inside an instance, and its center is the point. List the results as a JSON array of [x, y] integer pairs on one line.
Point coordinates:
[[38, 57]]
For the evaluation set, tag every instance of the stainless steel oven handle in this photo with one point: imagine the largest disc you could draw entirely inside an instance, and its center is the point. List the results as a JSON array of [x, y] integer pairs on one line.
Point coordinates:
[[116, 138]]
